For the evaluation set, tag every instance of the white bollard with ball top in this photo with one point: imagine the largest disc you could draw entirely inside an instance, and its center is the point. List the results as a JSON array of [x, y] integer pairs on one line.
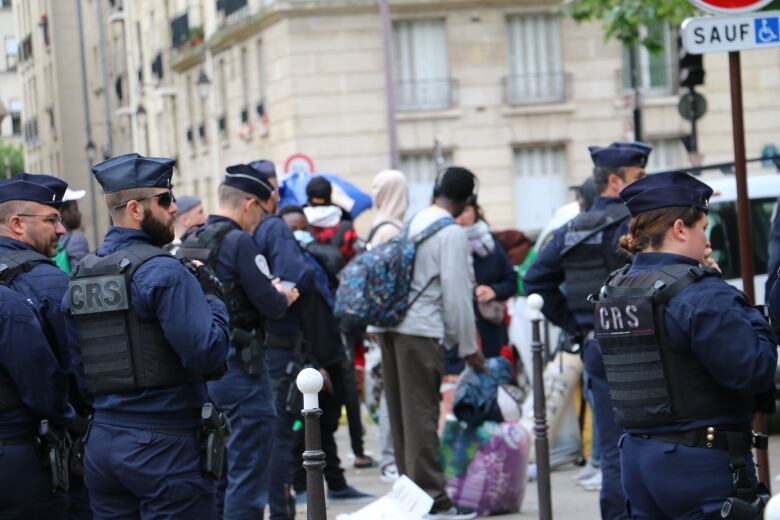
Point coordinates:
[[310, 382]]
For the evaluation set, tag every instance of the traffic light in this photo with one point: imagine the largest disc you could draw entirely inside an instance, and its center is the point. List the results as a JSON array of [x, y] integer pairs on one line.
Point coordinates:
[[691, 67]]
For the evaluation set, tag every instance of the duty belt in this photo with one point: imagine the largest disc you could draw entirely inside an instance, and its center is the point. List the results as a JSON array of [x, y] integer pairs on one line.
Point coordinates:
[[290, 342], [734, 440]]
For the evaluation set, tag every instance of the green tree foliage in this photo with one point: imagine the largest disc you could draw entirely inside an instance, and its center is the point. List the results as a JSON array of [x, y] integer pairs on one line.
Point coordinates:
[[623, 19], [15, 157]]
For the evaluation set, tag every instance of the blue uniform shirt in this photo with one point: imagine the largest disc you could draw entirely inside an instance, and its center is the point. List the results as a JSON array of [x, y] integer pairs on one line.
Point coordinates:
[[285, 258], [27, 358], [241, 261], [45, 285], [714, 321], [546, 275], [196, 327]]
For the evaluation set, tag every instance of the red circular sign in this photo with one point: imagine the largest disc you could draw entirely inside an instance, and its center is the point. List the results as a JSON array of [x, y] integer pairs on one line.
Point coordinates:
[[730, 6], [298, 162]]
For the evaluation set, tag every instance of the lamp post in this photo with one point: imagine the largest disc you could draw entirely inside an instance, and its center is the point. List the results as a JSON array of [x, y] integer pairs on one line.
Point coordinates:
[[91, 151], [206, 95], [203, 85]]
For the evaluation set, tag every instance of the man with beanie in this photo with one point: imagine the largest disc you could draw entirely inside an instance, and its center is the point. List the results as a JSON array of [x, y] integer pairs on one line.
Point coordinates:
[[253, 296], [412, 361], [329, 223], [147, 332]]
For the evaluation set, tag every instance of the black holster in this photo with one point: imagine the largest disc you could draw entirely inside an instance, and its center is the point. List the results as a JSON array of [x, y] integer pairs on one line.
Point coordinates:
[[212, 440], [54, 448], [251, 350], [748, 502], [294, 401]]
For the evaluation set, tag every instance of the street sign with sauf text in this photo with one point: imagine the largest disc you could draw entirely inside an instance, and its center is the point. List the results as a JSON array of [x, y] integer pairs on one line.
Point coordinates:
[[731, 33]]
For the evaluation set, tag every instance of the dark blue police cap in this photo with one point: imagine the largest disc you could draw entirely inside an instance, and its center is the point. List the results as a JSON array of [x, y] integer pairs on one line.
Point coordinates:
[[130, 171], [265, 167], [619, 155], [664, 190], [43, 189], [249, 180]]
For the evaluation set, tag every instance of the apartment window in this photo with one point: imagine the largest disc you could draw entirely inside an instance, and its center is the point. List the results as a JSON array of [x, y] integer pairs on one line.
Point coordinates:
[[261, 80], [654, 69], [244, 85], [421, 170], [421, 69], [5, 4], [535, 61], [11, 52], [16, 124], [668, 153], [539, 184], [223, 97]]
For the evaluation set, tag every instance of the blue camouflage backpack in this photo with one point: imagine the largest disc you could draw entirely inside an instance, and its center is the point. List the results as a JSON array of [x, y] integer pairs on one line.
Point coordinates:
[[374, 287]]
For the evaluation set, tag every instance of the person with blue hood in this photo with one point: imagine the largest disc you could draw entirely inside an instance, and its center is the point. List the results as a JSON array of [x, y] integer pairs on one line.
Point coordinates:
[[28, 241], [33, 364], [253, 296], [688, 360], [147, 331], [580, 257]]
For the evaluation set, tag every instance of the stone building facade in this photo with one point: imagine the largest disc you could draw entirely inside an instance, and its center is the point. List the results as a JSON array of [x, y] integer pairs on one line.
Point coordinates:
[[508, 88]]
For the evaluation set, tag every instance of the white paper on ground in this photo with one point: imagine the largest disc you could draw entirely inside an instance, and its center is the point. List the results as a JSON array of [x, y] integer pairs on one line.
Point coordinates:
[[406, 501]]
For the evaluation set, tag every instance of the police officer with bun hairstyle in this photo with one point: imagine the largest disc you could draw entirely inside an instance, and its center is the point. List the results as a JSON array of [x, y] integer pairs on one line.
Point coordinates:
[[253, 295], [30, 228], [574, 265], [687, 359], [148, 331]]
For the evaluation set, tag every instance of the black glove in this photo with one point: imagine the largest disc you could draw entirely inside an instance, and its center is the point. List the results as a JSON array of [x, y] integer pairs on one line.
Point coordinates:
[[209, 281]]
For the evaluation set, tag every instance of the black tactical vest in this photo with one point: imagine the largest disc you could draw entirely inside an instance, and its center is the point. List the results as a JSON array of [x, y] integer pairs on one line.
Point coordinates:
[[120, 352], [12, 264], [589, 254], [652, 382], [204, 245]]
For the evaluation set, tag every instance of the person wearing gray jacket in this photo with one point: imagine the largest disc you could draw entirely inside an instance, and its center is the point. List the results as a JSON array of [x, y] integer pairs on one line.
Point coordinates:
[[412, 360]]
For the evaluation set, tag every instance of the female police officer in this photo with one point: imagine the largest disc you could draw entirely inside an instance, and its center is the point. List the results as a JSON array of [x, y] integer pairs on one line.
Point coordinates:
[[685, 356]]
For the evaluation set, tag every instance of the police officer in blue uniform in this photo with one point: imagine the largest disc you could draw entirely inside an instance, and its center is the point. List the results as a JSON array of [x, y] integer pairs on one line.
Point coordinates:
[[33, 387], [284, 339], [147, 331], [28, 240], [253, 295], [687, 359], [581, 255]]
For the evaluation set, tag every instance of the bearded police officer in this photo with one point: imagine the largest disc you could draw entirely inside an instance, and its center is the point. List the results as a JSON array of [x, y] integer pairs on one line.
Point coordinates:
[[147, 335], [581, 256], [687, 359], [252, 296]]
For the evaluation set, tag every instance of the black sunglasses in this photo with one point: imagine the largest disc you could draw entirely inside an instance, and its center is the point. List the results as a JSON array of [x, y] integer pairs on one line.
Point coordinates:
[[164, 199]]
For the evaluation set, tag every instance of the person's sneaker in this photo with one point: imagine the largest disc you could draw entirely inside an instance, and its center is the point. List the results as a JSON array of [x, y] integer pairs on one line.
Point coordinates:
[[389, 473], [453, 513], [364, 461], [586, 473], [349, 493], [593, 483]]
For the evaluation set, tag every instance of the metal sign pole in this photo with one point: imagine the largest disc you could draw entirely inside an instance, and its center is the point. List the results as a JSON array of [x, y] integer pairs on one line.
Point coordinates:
[[743, 224]]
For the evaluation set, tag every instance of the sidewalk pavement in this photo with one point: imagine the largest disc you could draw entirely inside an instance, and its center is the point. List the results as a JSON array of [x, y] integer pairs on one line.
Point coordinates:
[[570, 501]]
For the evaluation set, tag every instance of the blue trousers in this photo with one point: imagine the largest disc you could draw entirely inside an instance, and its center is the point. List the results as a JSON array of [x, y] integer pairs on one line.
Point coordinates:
[[133, 473], [612, 499], [669, 480], [282, 456], [24, 486], [247, 402], [78, 500]]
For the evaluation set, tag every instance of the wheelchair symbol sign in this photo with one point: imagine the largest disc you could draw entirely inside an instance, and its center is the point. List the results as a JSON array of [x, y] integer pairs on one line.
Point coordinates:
[[767, 30]]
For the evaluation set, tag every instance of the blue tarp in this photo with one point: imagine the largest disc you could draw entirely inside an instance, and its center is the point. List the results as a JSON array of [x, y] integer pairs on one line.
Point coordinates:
[[292, 191]]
